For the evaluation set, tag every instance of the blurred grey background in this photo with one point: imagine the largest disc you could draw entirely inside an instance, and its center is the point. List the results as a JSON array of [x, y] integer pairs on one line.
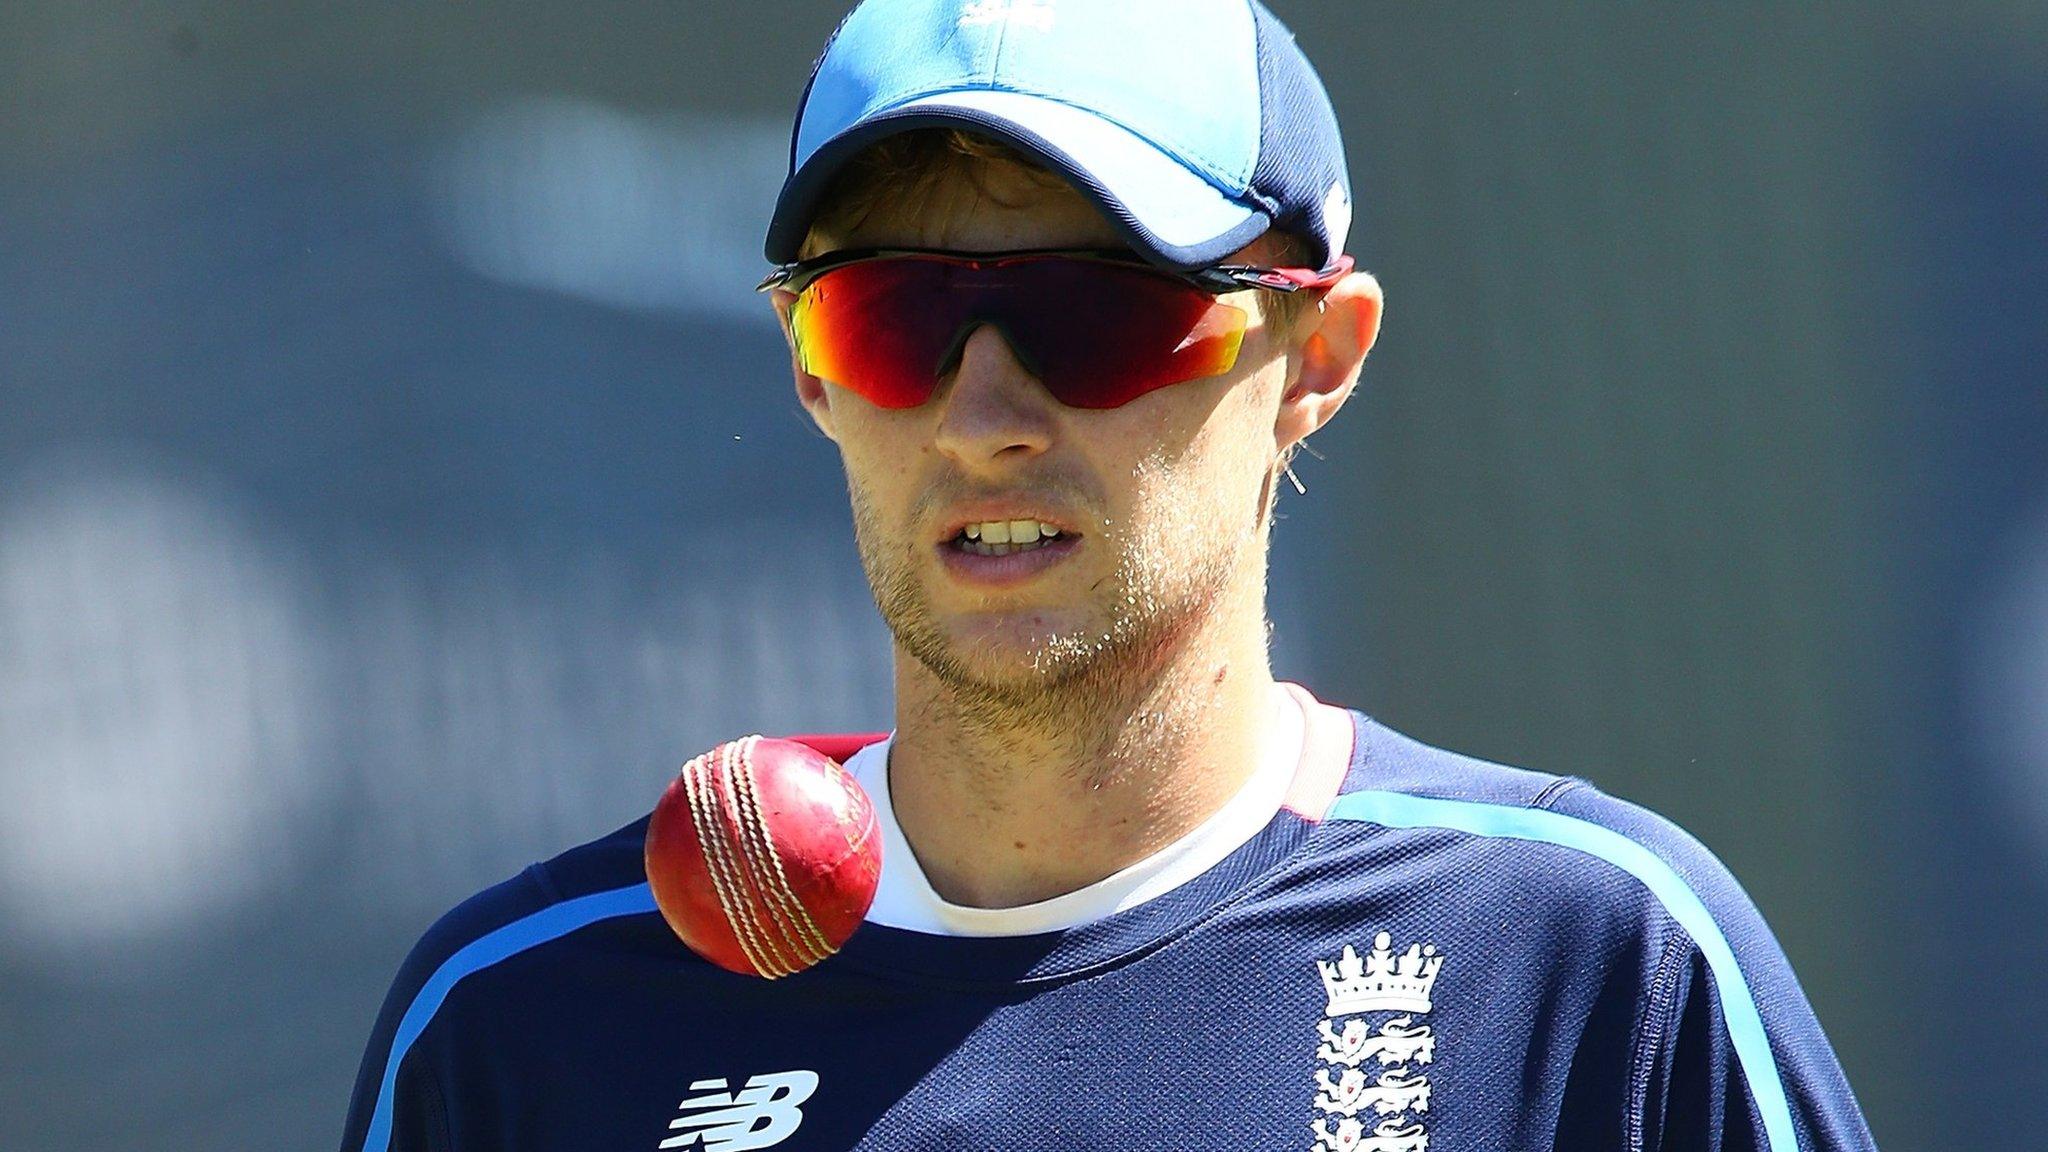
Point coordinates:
[[398, 480]]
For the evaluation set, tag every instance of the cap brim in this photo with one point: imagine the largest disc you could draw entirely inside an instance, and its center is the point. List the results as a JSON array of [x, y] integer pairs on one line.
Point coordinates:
[[1166, 211]]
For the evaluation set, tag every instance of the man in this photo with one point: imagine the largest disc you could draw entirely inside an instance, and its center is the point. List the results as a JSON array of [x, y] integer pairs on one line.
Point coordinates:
[[1064, 283]]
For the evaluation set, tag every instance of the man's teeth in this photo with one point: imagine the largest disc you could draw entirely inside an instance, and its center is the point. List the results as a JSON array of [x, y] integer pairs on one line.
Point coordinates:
[[1001, 537], [1009, 531]]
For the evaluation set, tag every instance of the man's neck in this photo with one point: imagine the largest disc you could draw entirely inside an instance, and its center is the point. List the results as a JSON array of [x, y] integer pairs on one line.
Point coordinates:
[[1002, 814]]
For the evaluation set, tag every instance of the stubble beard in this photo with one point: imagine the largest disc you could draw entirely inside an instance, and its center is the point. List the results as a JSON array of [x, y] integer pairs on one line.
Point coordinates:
[[1082, 684]]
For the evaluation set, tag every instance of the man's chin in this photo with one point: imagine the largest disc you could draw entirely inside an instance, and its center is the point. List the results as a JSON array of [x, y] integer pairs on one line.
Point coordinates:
[[1012, 635], [1024, 653]]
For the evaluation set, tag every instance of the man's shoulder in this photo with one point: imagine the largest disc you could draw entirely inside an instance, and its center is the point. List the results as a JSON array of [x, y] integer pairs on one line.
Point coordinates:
[[1390, 763], [1548, 878], [1561, 833], [1387, 760], [599, 880]]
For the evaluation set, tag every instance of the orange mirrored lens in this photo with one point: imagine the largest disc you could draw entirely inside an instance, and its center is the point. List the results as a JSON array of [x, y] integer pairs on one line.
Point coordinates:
[[1095, 333]]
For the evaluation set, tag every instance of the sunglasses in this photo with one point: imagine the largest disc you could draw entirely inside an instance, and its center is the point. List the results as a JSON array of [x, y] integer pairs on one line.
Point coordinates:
[[1097, 328]]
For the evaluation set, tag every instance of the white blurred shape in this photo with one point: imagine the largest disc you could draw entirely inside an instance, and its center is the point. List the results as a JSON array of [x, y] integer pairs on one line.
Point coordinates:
[[153, 708], [2007, 681], [642, 212]]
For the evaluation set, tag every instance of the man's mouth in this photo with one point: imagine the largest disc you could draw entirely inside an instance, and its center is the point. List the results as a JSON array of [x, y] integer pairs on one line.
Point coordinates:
[[1003, 537]]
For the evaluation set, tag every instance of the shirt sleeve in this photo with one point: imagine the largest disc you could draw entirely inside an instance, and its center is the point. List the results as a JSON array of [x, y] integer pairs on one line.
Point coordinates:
[[399, 1103], [417, 1120], [1697, 1092], [397, 1106], [1729, 1056]]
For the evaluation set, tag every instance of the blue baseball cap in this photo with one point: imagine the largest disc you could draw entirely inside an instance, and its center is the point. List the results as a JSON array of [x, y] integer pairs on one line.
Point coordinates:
[[1194, 125]]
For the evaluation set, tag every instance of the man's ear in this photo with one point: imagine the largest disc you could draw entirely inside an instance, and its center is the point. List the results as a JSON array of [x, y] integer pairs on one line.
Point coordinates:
[[810, 391], [1325, 367]]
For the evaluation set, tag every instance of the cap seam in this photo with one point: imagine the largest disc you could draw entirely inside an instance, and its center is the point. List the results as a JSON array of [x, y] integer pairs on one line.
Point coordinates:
[[995, 51], [803, 103], [1265, 106]]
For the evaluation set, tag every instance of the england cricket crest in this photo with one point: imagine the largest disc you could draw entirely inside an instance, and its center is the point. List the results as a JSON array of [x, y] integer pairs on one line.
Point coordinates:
[[1371, 1089]]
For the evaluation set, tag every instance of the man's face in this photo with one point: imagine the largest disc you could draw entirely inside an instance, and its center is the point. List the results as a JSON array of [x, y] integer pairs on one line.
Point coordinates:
[[1158, 504]]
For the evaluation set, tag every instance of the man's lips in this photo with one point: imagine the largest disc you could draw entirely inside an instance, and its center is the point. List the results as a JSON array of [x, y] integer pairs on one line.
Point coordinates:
[[964, 561], [1013, 539]]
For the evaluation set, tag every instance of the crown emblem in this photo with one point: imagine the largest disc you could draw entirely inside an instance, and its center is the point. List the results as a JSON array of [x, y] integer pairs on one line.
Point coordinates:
[[1381, 981]]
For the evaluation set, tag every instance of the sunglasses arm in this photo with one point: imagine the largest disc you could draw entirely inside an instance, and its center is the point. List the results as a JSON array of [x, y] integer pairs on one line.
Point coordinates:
[[1234, 277]]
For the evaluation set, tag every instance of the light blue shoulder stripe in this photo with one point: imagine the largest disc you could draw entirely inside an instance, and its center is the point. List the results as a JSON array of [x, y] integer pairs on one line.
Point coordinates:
[[1745, 1024], [551, 922]]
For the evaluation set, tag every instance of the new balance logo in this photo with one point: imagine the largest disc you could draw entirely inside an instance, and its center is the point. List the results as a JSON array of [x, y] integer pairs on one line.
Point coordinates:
[[762, 1114]]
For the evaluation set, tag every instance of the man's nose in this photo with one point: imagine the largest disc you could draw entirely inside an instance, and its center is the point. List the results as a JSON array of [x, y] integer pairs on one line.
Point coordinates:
[[992, 407]]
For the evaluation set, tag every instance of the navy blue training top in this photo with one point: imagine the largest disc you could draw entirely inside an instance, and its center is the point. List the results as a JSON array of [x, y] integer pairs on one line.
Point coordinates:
[[1443, 953]]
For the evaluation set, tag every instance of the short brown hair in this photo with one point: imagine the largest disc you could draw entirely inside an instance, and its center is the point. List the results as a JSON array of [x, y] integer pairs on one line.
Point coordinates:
[[908, 172]]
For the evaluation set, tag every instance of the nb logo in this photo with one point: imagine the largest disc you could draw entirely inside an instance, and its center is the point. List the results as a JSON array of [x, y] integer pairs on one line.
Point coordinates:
[[761, 1114]]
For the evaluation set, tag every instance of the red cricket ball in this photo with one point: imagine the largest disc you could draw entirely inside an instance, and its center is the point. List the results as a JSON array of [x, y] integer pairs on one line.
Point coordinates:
[[763, 856]]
